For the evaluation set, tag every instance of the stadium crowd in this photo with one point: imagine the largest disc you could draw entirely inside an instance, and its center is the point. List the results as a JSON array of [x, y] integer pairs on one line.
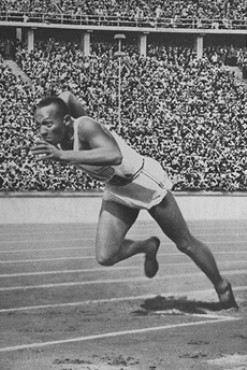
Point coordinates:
[[222, 12], [189, 114], [141, 8]]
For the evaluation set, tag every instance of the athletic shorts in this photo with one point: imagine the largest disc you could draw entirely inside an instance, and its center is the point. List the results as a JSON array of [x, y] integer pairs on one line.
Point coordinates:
[[146, 190]]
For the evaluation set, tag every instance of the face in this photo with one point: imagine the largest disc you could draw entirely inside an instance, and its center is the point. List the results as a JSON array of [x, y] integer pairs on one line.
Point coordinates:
[[51, 125]]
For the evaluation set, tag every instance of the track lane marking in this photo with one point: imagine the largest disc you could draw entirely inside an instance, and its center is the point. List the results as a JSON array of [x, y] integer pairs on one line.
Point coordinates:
[[213, 319], [150, 225], [191, 294], [93, 257], [7, 251], [112, 281], [45, 241], [109, 269], [90, 239]]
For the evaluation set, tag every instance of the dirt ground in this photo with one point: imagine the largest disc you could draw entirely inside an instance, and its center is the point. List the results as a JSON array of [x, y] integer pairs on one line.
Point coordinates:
[[59, 310]]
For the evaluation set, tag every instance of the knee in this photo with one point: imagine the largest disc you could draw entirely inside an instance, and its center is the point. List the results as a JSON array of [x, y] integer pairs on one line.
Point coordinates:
[[105, 259], [185, 245]]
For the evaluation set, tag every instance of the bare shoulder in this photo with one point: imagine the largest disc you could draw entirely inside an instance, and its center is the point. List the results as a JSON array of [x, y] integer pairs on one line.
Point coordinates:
[[86, 122], [92, 131], [87, 125]]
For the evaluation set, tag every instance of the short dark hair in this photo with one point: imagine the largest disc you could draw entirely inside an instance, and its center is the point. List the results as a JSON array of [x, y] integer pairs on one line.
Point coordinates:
[[62, 108]]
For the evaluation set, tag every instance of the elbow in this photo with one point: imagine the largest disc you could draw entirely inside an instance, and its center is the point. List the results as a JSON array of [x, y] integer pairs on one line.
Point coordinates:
[[65, 96], [118, 159]]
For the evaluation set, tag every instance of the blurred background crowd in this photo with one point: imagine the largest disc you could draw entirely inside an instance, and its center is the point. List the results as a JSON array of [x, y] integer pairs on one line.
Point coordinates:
[[223, 13], [233, 9], [188, 113]]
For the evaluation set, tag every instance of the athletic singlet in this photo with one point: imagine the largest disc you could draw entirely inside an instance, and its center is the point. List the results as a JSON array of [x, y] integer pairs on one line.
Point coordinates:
[[121, 174]]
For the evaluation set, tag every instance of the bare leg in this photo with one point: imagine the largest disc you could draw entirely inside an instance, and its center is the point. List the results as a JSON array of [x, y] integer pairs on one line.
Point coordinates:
[[167, 214], [111, 246]]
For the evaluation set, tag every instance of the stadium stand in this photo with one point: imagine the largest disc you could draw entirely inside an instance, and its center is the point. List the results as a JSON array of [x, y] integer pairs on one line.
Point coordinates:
[[187, 113], [181, 13]]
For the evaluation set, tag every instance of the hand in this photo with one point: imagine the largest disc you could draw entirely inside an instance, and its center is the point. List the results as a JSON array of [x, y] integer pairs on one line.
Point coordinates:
[[43, 150]]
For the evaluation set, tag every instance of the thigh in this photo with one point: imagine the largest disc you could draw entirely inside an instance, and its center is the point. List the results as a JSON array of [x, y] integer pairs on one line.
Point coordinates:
[[169, 217], [114, 222]]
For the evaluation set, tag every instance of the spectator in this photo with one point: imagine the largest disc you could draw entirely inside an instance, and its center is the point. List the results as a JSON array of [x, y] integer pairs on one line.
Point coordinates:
[[214, 14], [187, 113]]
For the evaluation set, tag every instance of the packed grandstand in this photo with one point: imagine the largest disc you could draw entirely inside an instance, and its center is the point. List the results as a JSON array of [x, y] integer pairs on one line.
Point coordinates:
[[179, 13], [188, 113]]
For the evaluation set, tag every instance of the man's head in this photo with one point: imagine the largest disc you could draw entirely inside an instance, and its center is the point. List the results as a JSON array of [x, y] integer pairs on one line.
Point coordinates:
[[51, 115]]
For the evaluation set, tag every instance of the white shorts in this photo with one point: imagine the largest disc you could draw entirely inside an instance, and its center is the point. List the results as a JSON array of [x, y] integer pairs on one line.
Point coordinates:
[[145, 191]]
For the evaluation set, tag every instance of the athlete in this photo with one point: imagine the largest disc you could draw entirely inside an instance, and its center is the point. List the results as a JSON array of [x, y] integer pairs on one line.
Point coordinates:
[[132, 182]]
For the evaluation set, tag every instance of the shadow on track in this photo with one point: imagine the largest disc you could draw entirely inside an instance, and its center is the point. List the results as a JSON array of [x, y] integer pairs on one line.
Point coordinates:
[[174, 306]]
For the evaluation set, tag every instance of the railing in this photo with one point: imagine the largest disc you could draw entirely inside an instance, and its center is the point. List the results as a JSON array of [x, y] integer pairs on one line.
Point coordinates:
[[123, 21]]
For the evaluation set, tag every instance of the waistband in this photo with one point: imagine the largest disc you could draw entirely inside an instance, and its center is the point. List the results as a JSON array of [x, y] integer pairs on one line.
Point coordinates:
[[118, 180]]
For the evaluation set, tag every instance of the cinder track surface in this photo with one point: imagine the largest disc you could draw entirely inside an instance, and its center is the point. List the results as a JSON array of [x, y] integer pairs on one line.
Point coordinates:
[[60, 310]]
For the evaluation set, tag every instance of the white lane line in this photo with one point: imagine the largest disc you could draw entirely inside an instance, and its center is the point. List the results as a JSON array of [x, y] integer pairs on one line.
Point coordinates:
[[149, 226], [212, 320], [190, 293], [68, 258], [46, 241], [83, 240], [47, 259], [112, 281], [26, 250], [59, 272], [108, 269], [20, 251]]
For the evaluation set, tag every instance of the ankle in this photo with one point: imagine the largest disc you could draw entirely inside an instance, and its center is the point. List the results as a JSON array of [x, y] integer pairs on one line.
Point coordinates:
[[222, 287]]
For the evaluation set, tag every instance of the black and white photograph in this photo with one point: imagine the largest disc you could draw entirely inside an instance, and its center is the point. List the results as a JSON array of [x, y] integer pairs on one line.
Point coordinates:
[[123, 185]]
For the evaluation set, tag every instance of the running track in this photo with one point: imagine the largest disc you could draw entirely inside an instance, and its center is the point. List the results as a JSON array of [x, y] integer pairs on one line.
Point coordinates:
[[60, 310]]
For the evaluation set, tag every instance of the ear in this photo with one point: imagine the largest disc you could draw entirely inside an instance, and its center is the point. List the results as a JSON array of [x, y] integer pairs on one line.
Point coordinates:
[[67, 120]]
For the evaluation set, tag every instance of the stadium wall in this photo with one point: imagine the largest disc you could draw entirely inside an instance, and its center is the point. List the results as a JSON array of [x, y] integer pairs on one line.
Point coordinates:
[[45, 208]]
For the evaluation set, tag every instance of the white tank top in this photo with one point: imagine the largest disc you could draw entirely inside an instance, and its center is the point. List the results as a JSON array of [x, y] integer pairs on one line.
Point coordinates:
[[132, 162]]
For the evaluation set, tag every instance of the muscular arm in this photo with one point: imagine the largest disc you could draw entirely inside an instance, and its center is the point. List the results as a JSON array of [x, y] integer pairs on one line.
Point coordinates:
[[98, 147], [76, 108]]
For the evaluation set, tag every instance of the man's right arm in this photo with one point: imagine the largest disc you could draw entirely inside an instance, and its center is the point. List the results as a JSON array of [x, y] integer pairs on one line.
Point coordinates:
[[100, 147], [76, 108]]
